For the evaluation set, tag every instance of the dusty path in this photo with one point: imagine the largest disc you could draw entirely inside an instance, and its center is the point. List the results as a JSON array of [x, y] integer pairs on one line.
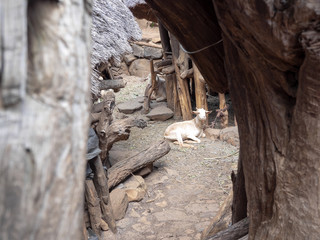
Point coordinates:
[[185, 188]]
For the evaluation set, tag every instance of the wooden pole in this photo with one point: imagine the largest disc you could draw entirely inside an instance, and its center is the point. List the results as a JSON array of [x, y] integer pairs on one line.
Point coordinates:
[[223, 105], [182, 86], [200, 89]]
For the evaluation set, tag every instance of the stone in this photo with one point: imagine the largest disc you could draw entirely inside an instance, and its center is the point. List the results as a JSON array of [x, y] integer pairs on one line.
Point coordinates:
[[230, 135], [155, 104], [140, 68], [119, 202], [129, 107], [138, 51], [124, 69], [145, 171], [160, 113], [152, 53], [135, 188], [129, 58], [212, 133]]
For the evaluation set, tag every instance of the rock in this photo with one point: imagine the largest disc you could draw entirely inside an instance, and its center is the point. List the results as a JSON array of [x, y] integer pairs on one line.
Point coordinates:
[[230, 135], [155, 104], [137, 51], [140, 68], [129, 107], [136, 188], [129, 58], [212, 133], [119, 203], [160, 113], [124, 69], [152, 53], [145, 171]]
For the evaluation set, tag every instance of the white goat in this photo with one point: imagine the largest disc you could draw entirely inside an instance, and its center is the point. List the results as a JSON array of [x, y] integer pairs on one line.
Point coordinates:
[[192, 129]]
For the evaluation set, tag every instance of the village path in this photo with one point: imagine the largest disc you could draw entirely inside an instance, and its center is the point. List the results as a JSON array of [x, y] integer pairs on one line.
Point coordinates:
[[185, 189]]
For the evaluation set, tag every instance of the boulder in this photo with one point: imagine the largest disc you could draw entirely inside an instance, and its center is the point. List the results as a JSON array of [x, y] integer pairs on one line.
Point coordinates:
[[119, 203], [138, 51], [212, 133], [135, 188], [129, 58], [129, 107], [140, 68], [152, 53], [230, 135], [160, 113]]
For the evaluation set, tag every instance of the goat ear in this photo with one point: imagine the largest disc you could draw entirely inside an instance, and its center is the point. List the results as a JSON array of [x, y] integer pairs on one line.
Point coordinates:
[[195, 112], [208, 112]]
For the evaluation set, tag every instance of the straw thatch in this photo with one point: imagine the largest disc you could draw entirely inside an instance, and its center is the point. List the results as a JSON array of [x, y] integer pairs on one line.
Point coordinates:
[[112, 26], [132, 3]]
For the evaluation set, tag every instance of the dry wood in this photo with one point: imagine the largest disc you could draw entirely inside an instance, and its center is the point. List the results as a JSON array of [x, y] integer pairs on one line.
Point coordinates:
[[94, 117], [122, 169], [101, 185], [168, 70], [172, 95], [200, 89], [93, 206], [236, 231], [147, 44], [182, 86], [150, 90], [112, 84], [221, 221], [222, 106], [187, 73], [163, 63]]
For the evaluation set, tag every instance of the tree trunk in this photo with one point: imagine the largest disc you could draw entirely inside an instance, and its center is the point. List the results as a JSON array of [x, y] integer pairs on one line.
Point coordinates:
[[44, 118], [273, 89], [272, 59]]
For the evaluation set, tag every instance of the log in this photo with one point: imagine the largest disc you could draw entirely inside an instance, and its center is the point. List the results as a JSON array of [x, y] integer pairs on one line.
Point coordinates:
[[187, 73], [122, 169], [168, 70], [112, 84], [163, 63], [101, 185], [221, 221], [236, 231], [223, 108], [182, 86], [94, 117], [200, 90], [172, 95], [147, 44], [93, 206], [150, 90]]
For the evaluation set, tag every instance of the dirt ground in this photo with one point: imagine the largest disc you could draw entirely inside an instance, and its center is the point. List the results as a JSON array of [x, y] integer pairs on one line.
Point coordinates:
[[186, 187]]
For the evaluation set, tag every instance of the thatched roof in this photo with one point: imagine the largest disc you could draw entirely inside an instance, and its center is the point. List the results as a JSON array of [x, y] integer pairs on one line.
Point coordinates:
[[132, 3], [112, 26]]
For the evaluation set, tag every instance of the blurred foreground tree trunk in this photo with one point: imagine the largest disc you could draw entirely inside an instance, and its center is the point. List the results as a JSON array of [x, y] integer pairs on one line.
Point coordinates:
[[44, 80], [271, 53]]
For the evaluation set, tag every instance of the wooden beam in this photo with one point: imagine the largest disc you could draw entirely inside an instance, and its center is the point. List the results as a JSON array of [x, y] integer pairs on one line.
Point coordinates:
[[200, 89]]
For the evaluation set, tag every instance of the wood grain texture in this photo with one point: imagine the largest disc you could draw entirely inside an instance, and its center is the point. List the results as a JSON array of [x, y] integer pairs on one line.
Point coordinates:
[[43, 136], [122, 169]]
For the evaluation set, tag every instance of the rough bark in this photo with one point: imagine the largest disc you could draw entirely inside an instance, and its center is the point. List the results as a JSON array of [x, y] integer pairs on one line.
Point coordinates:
[[101, 185], [112, 84], [122, 169], [235, 231], [179, 18], [182, 85], [273, 84], [272, 58], [172, 95], [44, 119], [200, 89]]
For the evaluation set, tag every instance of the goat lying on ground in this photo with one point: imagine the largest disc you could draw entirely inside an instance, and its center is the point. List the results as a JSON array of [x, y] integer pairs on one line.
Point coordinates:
[[192, 129]]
